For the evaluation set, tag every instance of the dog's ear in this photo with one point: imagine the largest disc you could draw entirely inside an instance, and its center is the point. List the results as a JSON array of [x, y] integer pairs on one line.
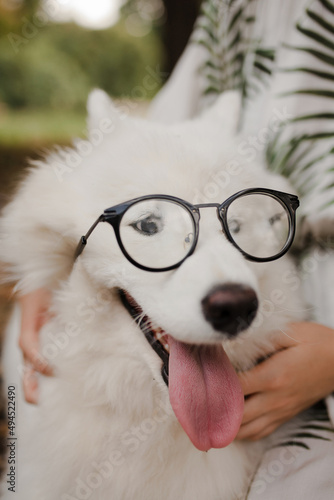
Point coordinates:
[[102, 111], [226, 111]]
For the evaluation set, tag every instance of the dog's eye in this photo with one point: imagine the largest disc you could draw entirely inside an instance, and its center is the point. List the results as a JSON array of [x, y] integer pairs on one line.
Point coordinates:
[[234, 226], [189, 238], [149, 226], [276, 218]]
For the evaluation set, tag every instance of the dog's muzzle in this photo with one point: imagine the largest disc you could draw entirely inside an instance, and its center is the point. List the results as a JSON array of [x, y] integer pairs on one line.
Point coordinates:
[[229, 308], [204, 389]]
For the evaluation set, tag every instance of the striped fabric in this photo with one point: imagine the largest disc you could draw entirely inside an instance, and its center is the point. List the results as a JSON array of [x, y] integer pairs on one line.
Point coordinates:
[[280, 55]]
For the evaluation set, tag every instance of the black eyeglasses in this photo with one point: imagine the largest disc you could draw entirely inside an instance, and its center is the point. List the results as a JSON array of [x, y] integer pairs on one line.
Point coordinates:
[[158, 232]]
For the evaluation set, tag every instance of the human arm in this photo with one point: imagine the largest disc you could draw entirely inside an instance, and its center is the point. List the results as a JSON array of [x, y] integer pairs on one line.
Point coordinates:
[[36, 253]]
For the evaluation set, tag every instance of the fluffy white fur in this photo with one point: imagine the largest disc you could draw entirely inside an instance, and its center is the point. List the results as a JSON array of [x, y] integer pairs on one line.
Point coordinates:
[[104, 427]]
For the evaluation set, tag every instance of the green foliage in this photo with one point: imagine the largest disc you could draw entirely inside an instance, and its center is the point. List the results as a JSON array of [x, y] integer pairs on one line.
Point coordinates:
[[33, 129], [298, 157], [28, 7], [41, 76], [314, 424], [238, 57], [113, 60], [228, 48], [60, 64]]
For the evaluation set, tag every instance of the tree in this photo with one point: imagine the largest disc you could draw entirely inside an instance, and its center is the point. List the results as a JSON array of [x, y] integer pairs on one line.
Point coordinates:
[[180, 19]]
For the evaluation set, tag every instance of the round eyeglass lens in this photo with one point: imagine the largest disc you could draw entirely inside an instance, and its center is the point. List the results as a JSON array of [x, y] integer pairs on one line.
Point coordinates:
[[259, 224], [157, 233]]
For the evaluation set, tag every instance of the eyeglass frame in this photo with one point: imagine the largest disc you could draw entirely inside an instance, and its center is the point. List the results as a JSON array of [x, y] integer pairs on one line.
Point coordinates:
[[114, 216]]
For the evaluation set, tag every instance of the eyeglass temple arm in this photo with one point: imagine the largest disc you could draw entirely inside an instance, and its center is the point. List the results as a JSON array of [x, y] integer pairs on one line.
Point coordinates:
[[83, 240]]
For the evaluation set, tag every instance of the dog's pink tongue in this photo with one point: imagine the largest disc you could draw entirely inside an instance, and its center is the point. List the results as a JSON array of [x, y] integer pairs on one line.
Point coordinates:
[[205, 394]]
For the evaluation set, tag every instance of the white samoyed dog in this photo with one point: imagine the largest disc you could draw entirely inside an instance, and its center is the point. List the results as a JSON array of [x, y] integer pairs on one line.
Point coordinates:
[[153, 310]]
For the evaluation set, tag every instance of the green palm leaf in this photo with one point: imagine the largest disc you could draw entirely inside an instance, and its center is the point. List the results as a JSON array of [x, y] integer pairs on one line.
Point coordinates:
[[314, 424], [239, 57], [321, 56], [227, 48], [320, 21], [328, 5], [321, 49], [292, 443], [309, 435], [317, 427]]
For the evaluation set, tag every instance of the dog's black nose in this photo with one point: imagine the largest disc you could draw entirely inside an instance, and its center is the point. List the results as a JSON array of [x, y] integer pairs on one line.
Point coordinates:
[[230, 308]]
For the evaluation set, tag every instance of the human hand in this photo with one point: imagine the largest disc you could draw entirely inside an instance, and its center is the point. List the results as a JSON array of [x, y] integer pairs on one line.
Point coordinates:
[[34, 313], [298, 375]]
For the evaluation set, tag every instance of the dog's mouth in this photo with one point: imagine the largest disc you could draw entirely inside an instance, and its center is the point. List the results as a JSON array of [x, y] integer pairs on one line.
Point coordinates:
[[204, 390], [156, 337]]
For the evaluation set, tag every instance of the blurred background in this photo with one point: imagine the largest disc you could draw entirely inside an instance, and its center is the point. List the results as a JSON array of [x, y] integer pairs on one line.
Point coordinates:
[[53, 52]]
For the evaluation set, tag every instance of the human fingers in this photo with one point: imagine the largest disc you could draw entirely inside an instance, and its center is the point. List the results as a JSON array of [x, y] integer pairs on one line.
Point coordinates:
[[256, 379], [30, 385], [304, 332], [34, 313], [35, 309], [254, 408], [263, 414], [258, 429], [29, 345], [266, 374]]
